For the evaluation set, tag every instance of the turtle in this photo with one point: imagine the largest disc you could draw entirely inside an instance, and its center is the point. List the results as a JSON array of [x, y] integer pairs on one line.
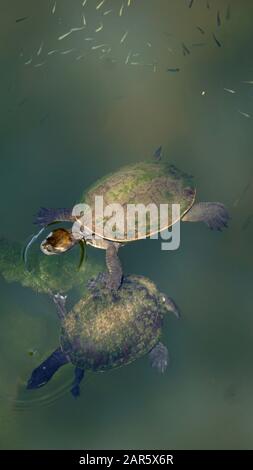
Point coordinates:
[[108, 329], [144, 183]]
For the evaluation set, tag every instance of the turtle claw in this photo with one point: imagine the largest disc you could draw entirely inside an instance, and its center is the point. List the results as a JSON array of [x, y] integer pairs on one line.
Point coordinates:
[[97, 281], [98, 285], [159, 357]]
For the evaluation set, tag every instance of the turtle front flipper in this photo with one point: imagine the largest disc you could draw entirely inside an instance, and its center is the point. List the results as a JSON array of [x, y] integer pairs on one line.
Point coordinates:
[[79, 375], [159, 357], [47, 216], [213, 214], [114, 266], [42, 374]]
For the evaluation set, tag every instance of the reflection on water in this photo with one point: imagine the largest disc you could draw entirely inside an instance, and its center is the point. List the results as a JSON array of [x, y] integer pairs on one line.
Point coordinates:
[[73, 109]]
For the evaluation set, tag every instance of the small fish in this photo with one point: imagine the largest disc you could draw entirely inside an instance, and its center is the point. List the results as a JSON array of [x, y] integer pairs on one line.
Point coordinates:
[[158, 153], [128, 57], [28, 62], [68, 51], [149, 44], [121, 10], [99, 28], [135, 63], [40, 64], [54, 8], [128, 3], [72, 30], [98, 46], [250, 82], [84, 20], [40, 48], [89, 39], [60, 38], [80, 57], [201, 30], [216, 40], [218, 19], [244, 114], [203, 93], [107, 12], [18, 20], [100, 4], [52, 52], [84, 3], [228, 13], [186, 51], [154, 67], [229, 90], [173, 70], [124, 37], [191, 3], [22, 102]]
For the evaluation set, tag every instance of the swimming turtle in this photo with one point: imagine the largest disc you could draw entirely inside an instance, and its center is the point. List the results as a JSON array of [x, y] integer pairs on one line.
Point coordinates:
[[108, 329], [141, 183]]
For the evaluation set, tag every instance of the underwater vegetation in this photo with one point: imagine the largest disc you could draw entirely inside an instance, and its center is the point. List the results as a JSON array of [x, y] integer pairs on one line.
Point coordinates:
[[43, 275]]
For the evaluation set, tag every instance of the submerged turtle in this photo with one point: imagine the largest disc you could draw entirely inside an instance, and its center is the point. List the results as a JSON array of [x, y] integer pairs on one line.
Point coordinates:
[[107, 329], [141, 183]]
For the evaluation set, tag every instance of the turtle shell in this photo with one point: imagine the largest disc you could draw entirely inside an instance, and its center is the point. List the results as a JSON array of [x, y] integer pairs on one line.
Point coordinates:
[[142, 183], [106, 330]]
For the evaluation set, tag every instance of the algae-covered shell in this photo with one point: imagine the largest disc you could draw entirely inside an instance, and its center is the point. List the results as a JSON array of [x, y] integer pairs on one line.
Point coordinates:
[[111, 329], [142, 183]]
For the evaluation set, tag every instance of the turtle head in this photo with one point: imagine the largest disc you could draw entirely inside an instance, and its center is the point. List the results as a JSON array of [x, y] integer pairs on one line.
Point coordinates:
[[57, 242], [168, 305]]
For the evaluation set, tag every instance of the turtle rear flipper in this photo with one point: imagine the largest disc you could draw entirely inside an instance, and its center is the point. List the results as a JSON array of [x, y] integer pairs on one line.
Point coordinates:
[[159, 357], [42, 374], [213, 214]]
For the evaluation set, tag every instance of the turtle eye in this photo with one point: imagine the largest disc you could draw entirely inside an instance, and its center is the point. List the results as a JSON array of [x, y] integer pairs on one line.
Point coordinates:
[[47, 249]]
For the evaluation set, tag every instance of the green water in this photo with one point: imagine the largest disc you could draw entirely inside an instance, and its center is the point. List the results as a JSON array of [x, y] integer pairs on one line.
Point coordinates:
[[66, 123]]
